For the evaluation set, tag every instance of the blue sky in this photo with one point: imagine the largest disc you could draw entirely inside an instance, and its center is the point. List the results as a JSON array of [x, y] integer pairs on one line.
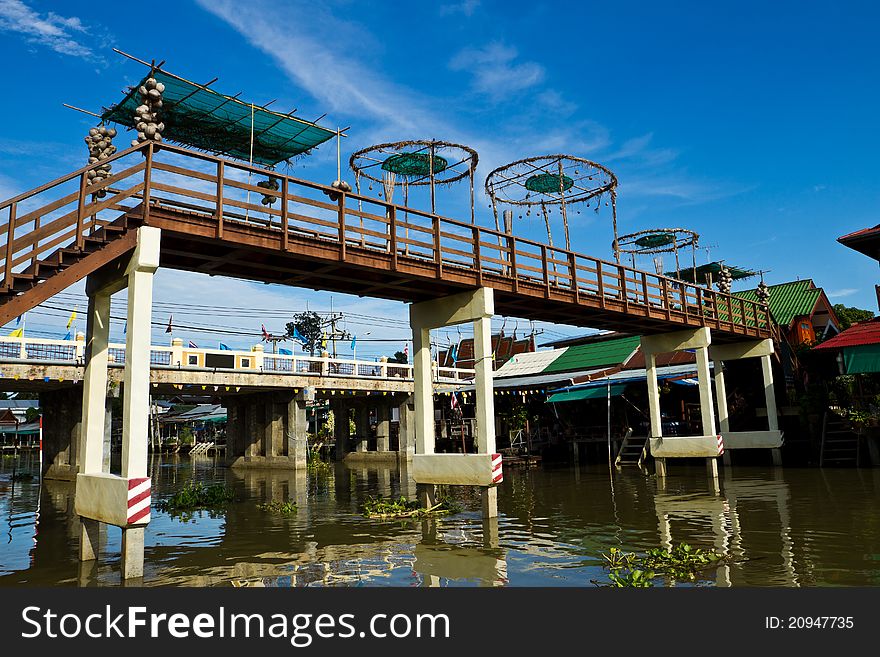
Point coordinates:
[[754, 124]]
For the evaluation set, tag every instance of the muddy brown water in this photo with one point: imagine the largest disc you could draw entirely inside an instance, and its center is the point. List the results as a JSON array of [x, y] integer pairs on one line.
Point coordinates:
[[778, 526]]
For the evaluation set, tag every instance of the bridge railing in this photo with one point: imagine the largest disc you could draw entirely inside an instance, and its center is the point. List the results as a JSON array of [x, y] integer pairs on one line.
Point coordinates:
[[176, 356], [65, 211]]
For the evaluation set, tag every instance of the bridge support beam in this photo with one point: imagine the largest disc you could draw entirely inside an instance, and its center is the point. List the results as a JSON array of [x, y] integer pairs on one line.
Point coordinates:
[[62, 421], [709, 444], [479, 469], [770, 439], [101, 497], [406, 442], [267, 430]]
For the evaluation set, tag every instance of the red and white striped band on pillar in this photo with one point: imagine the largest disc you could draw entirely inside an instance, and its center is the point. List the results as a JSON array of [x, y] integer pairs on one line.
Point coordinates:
[[139, 501], [497, 474], [720, 445]]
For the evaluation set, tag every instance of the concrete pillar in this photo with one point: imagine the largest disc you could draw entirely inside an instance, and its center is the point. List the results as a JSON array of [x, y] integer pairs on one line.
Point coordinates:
[[485, 399], [62, 421], [176, 352], [383, 427], [252, 442], [107, 447], [660, 467], [489, 499], [273, 430], [95, 384], [653, 397], [770, 398], [406, 443], [340, 428], [136, 382], [707, 407], [362, 426], [721, 395], [423, 394], [297, 431]]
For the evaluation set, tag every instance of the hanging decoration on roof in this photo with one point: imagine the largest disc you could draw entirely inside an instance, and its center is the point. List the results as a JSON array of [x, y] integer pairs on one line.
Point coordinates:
[[146, 115], [763, 293], [415, 163], [549, 181], [655, 241], [100, 145], [725, 280], [271, 185]]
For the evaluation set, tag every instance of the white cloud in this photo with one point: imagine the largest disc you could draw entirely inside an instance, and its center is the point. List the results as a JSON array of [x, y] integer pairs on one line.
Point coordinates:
[[495, 71], [843, 292], [466, 8], [51, 30]]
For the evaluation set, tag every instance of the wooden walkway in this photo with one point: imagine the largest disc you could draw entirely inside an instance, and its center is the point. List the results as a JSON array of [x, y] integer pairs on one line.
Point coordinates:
[[213, 221]]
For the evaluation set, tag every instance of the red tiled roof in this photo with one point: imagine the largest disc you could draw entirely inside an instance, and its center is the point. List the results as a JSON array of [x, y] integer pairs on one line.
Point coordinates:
[[864, 232], [857, 335]]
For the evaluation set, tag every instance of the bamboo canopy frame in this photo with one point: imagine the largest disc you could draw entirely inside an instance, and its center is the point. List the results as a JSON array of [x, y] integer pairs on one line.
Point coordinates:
[[659, 240], [546, 181]]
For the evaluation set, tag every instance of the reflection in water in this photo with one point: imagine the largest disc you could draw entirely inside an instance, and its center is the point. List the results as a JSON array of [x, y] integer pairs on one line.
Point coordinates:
[[793, 527]]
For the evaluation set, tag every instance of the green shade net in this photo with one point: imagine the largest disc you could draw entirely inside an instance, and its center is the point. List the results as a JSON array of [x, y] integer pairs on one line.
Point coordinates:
[[711, 269], [596, 392], [209, 121], [655, 239], [548, 183], [863, 359], [414, 164]]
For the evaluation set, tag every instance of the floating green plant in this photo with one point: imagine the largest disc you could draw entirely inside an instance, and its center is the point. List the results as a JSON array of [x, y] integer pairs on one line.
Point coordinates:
[[195, 495], [378, 507], [682, 562], [280, 508]]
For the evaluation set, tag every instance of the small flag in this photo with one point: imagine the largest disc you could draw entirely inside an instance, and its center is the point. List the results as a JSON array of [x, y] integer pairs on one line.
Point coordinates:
[[406, 350], [324, 341], [285, 352], [453, 354], [193, 345], [17, 333], [18, 320], [353, 342], [298, 336], [224, 347], [170, 318], [453, 403], [125, 329], [67, 337], [72, 318]]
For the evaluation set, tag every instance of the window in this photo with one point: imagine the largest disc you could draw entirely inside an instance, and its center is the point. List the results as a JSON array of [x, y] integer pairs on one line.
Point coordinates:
[[245, 363], [192, 359]]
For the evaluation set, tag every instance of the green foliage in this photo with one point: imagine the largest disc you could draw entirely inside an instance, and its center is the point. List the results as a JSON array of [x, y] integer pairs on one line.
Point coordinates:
[[849, 315], [32, 414], [186, 436], [280, 508], [399, 357], [195, 495], [378, 507], [310, 326], [682, 562]]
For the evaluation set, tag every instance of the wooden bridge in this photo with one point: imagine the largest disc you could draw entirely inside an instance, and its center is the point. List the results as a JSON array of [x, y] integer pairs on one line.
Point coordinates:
[[213, 221]]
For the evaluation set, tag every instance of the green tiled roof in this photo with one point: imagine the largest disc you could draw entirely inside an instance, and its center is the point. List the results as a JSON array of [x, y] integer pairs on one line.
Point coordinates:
[[788, 300], [594, 355]]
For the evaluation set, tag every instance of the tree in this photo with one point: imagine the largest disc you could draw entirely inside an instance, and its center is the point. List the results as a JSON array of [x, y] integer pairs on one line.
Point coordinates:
[[399, 357], [31, 414], [308, 328], [851, 315]]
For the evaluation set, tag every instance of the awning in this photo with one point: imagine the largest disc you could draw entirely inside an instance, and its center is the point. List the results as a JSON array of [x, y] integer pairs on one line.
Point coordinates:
[[197, 116], [596, 392], [863, 359]]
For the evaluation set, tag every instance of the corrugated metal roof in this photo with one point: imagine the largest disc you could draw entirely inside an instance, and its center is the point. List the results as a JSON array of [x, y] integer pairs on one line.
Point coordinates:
[[597, 354], [788, 300], [857, 335], [634, 376], [528, 363]]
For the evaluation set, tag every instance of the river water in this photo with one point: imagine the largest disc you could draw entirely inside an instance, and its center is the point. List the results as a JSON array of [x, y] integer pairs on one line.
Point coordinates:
[[778, 527]]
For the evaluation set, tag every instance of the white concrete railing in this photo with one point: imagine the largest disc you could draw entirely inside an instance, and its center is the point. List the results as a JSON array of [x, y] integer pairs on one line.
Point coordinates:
[[178, 356]]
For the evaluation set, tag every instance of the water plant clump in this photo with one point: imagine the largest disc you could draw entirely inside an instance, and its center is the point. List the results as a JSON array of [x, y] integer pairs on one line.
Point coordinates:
[[379, 507], [195, 495], [682, 562], [280, 508]]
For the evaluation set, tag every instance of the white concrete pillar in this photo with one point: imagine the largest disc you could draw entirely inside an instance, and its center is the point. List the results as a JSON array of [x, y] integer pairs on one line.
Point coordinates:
[[423, 394], [485, 399], [721, 395], [362, 424], [653, 395], [95, 384], [136, 392], [176, 352], [707, 408], [769, 393], [405, 427]]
